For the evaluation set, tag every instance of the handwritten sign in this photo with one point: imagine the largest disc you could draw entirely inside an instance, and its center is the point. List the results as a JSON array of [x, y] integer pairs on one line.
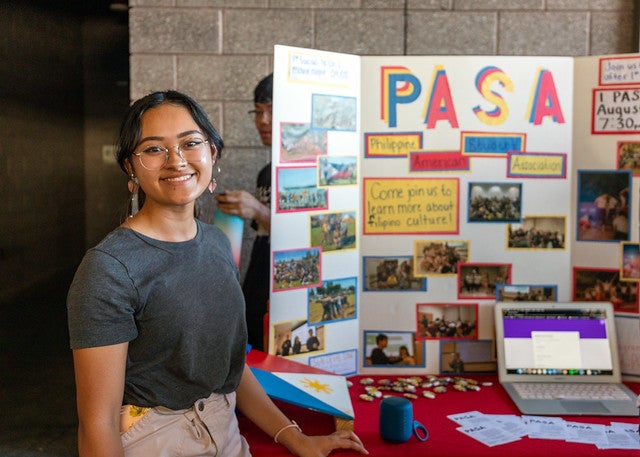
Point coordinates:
[[619, 70], [392, 144], [410, 206], [438, 161], [325, 70], [491, 144], [342, 363], [616, 111], [536, 165]]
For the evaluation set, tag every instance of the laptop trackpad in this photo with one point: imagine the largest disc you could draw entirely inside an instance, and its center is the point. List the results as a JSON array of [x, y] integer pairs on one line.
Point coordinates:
[[584, 407]]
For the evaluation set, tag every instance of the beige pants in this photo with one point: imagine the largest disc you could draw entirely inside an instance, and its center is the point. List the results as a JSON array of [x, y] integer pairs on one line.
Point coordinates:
[[208, 428]]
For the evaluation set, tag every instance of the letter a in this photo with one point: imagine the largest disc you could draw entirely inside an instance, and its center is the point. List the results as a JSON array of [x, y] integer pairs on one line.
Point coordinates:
[[544, 100], [439, 106]]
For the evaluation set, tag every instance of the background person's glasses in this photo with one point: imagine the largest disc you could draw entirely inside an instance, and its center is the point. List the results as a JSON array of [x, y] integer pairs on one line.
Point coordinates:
[[156, 156], [259, 114]]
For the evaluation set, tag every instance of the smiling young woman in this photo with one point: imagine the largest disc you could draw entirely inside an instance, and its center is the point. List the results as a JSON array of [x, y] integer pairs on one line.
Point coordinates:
[[156, 312]]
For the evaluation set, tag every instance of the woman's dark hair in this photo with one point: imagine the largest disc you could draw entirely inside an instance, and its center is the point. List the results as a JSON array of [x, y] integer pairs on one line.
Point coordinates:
[[263, 93], [130, 129]]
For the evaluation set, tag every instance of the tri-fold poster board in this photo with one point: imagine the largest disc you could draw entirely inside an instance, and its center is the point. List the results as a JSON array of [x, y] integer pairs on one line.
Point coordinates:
[[412, 192]]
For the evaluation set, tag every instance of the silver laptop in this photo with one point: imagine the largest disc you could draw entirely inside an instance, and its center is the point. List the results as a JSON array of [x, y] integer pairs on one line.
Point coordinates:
[[561, 359]]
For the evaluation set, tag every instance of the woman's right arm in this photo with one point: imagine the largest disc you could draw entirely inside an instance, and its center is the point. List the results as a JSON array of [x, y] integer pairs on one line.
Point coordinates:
[[99, 373]]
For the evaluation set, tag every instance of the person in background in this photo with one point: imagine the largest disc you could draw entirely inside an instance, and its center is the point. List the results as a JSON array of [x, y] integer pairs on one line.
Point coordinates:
[[156, 311], [406, 358], [313, 343], [256, 208], [286, 346], [456, 364], [378, 356], [297, 345]]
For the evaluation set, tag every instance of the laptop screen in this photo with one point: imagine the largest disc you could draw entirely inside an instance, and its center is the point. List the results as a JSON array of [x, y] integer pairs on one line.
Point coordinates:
[[557, 341]]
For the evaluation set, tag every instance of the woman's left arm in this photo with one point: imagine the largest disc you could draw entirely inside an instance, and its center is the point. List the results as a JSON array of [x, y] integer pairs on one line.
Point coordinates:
[[258, 407]]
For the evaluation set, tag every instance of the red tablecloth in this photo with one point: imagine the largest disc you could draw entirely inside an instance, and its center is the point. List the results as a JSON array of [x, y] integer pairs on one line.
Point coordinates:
[[444, 440]]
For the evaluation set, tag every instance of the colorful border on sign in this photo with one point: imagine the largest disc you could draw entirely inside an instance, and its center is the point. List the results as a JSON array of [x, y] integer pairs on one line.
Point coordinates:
[[486, 144], [404, 147], [632, 69], [623, 125], [414, 213], [435, 161], [556, 171]]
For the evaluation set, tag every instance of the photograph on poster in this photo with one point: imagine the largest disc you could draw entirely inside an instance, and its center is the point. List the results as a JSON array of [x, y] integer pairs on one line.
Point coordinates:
[[495, 202], [630, 261], [600, 284], [390, 273], [333, 231], [297, 268], [479, 280], [392, 348], [333, 112], [467, 356], [446, 321], [603, 205], [537, 232], [297, 190], [337, 171], [526, 292], [334, 300], [299, 143], [628, 157], [296, 337], [439, 257]]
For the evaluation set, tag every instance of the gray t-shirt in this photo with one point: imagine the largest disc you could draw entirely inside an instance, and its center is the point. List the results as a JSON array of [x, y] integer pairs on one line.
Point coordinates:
[[178, 304]]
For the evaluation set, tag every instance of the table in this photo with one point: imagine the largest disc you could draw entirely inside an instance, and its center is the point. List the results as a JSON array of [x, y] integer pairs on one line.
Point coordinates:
[[444, 440]]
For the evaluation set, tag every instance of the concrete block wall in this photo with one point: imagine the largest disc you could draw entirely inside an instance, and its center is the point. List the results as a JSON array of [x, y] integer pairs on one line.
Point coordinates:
[[217, 50]]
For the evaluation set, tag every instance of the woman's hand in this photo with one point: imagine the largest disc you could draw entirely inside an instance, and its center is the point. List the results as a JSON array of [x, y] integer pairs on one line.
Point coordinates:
[[321, 446]]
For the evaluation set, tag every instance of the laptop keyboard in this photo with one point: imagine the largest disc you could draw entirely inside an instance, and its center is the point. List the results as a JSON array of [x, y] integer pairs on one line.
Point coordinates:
[[550, 391]]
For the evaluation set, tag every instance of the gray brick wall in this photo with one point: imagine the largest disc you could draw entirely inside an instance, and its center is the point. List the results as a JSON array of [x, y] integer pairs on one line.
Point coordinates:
[[217, 50], [60, 197]]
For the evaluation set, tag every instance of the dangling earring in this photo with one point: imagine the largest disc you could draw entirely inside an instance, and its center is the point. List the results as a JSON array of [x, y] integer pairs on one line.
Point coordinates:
[[133, 186], [214, 182]]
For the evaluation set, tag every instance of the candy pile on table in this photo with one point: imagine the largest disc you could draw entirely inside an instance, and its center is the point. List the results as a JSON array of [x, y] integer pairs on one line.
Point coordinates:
[[415, 386]]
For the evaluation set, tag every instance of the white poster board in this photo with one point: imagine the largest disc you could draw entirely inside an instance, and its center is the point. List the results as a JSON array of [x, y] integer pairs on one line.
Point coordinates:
[[410, 190]]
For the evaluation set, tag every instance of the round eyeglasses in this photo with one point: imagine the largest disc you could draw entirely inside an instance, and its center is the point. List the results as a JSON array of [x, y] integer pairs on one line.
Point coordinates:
[[156, 156], [260, 114]]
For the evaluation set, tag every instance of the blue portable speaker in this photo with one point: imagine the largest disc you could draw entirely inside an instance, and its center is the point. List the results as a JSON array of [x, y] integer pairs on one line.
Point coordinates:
[[396, 421]]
